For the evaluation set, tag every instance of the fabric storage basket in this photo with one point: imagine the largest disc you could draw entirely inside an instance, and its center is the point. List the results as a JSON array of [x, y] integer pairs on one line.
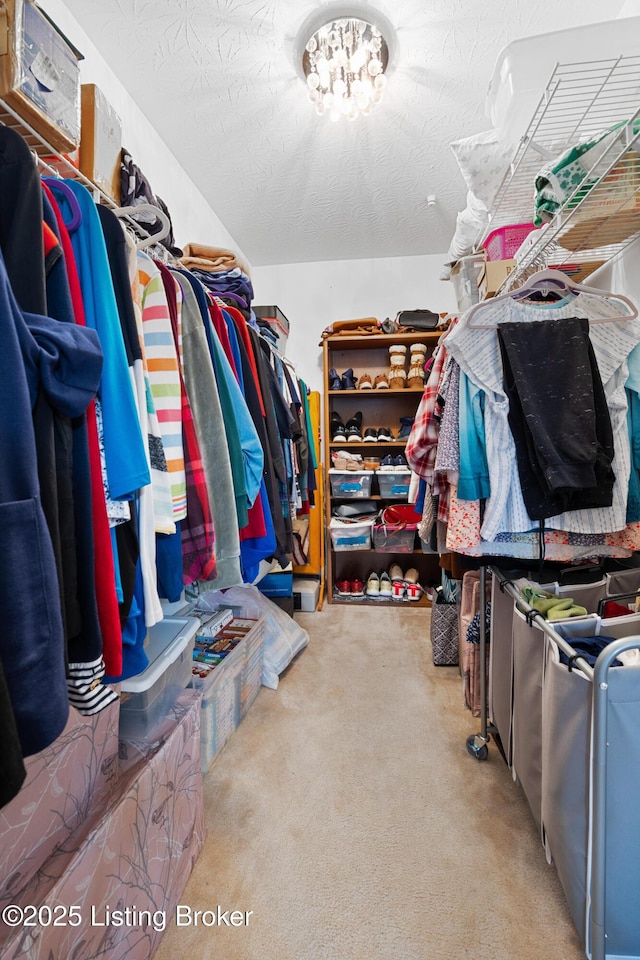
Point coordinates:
[[443, 633], [350, 536], [350, 483]]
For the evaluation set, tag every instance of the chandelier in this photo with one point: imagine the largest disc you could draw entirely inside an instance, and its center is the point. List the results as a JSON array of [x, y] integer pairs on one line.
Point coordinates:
[[344, 63]]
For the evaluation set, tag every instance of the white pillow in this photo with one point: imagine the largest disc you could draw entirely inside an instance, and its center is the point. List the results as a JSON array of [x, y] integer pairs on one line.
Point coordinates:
[[483, 161]]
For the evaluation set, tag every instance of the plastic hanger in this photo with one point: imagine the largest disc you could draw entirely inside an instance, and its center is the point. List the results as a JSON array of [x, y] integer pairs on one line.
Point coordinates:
[[130, 212], [546, 282], [56, 185]]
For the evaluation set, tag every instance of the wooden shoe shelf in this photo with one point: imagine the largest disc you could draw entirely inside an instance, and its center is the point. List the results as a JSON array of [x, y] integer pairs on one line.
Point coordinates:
[[379, 408]]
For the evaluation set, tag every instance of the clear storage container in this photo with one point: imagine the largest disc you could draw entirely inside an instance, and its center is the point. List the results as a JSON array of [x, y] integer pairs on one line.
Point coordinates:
[[394, 485], [146, 698], [350, 484], [350, 536]]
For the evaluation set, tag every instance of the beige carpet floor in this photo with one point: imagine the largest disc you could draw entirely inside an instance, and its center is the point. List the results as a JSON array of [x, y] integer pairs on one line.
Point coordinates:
[[346, 813]]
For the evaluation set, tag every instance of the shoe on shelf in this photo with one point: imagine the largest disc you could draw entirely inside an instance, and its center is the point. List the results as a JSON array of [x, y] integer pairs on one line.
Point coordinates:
[[406, 425], [414, 590], [397, 350], [346, 460], [395, 572], [381, 382], [399, 590], [373, 585], [337, 428], [384, 433], [365, 382], [385, 586], [357, 588], [354, 428], [417, 351], [370, 435], [397, 378], [400, 461], [335, 383], [415, 376], [343, 587], [387, 463], [348, 380]]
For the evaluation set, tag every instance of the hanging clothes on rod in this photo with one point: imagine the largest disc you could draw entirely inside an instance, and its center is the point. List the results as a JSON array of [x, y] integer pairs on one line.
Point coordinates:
[[482, 344]]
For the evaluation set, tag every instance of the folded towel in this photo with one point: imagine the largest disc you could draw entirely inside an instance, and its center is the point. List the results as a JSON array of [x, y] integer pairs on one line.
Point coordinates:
[[211, 259]]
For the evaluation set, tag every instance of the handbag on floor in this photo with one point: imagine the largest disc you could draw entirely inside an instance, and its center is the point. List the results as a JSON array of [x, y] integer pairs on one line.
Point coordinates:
[[444, 632]]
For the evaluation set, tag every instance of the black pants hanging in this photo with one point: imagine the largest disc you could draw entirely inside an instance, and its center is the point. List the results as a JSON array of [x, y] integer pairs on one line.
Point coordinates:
[[558, 416]]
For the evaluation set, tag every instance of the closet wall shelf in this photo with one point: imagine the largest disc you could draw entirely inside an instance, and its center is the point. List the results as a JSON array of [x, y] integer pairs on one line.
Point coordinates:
[[403, 605], [360, 445], [375, 393], [359, 341], [45, 153], [593, 225], [392, 409]]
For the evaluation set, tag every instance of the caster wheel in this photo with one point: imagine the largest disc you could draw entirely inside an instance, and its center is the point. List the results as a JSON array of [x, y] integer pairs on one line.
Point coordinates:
[[477, 748]]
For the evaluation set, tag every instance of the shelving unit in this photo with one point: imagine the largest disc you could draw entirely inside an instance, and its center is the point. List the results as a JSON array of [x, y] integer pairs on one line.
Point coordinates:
[[380, 408], [580, 101]]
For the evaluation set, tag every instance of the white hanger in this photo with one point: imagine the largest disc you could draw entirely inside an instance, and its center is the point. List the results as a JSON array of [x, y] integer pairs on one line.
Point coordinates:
[[129, 213], [551, 281]]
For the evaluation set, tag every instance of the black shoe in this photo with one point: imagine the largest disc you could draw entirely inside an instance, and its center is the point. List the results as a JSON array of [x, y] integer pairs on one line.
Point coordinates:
[[370, 435], [348, 380], [384, 433], [338, 429], [335, 383], [354, 427]]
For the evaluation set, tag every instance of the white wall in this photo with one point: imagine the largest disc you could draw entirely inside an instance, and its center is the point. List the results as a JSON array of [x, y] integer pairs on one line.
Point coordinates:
[[313, 295], [193, 218]]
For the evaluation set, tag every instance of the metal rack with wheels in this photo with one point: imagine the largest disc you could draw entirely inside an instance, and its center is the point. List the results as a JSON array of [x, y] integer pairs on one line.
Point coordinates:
[[587, 767]]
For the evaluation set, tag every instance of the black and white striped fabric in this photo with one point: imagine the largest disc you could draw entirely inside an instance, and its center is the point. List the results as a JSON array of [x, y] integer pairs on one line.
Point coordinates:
[[86, 691]]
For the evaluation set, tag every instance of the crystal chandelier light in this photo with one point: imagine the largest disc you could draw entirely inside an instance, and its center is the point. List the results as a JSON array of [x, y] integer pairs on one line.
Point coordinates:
[[344, 63]]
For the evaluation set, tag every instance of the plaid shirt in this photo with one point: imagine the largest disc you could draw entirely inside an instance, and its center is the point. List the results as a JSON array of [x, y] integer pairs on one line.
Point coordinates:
[[422, 444]]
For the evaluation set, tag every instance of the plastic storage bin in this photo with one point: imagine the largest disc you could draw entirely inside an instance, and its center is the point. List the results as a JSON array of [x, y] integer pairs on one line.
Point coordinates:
[[221, 705], [350, 484], [524, 67], [147, 697], [394, 485], [392, 538], [464, 277], [503, 243], [350, 536]]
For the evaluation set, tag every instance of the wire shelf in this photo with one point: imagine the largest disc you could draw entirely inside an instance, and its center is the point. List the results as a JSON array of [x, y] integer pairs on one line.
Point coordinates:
[[602, 215]]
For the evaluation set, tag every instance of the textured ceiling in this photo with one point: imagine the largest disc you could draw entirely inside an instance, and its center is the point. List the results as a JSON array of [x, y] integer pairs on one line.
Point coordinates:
[[217, 80]]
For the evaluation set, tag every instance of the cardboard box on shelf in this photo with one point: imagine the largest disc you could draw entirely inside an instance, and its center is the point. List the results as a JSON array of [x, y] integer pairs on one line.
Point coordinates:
[[492, 276], [39, 73], [100, 141], [610, 212]]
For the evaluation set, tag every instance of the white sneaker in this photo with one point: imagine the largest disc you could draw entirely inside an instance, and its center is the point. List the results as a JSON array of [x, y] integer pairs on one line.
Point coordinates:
[[373, 585], [385, 586]]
